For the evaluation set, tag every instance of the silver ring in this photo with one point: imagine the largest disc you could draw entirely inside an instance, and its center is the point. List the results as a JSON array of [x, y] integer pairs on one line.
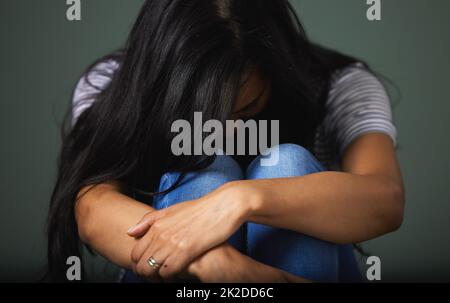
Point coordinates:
[[153, 263]]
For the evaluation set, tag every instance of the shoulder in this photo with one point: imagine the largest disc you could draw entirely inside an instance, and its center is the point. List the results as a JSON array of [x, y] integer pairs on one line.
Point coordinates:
[[357, 87], [91, 83], [95, 78], [357, 103], [355, 77]]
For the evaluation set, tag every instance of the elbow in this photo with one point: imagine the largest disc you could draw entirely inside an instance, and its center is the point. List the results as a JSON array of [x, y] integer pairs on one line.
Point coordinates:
[[395, 207], [82, 214], [87, 210]]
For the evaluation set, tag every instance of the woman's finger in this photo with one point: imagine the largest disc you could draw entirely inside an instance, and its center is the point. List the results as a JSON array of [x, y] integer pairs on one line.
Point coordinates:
[[173, 266], [150, 241], [141, 246], [151, 263], [143, 226]]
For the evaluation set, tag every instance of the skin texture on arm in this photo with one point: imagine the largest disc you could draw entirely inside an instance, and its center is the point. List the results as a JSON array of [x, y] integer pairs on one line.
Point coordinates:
[[225, 264], [104, 215], [364, 201]]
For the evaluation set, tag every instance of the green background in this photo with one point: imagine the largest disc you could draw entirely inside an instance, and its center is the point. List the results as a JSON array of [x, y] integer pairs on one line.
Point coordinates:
[[43, 55]]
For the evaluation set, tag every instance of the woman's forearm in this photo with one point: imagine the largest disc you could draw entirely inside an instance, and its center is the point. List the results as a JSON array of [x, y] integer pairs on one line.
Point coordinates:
[[227, 265], [332, 206], [363, 201], [103, 216]]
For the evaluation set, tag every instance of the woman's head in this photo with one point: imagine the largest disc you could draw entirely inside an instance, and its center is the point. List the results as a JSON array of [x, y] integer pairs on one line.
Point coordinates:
[[253, 95], [223, 58]]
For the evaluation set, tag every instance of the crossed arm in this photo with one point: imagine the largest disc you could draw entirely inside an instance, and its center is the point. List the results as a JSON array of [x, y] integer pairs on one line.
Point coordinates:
[[364, 201], [104, 216]]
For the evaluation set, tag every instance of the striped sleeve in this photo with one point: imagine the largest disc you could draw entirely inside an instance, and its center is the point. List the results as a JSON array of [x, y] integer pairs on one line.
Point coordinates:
[[357, 104], [89, 85]]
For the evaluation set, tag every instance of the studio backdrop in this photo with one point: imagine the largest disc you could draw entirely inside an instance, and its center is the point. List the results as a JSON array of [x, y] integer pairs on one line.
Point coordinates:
[[43, 54]]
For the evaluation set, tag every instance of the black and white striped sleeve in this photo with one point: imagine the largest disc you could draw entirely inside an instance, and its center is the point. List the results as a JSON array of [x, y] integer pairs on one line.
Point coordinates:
[[357, 104]]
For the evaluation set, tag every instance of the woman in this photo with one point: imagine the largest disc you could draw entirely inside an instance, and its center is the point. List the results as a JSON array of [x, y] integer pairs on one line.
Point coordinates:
[[120, 187]]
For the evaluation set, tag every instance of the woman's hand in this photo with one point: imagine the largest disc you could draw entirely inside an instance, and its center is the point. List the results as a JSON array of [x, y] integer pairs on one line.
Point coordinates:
[[177, 235]]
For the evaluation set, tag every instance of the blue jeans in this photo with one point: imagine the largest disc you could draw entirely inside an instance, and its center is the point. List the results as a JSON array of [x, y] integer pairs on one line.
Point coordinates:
[[290, 251]]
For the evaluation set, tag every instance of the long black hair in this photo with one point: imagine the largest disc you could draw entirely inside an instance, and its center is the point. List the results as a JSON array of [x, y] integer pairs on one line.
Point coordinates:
[[181, 57]]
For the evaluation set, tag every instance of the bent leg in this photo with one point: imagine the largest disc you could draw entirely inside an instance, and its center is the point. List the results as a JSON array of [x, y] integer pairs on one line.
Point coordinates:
[[290, 251]]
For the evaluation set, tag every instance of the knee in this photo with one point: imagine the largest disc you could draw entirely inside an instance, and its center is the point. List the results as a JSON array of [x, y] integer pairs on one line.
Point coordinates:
[[223, 169], [196, 184], [286, 160], [298, 156]]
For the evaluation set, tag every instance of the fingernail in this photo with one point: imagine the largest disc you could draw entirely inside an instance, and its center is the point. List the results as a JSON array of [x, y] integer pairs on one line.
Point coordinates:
[[132, 228]]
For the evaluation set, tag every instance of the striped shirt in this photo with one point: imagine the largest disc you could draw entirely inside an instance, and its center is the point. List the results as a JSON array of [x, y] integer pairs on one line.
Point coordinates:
[[357, 104]]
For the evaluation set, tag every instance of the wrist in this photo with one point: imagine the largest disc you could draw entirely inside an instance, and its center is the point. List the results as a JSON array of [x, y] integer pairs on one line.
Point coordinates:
[[247, 197], [211, 266]]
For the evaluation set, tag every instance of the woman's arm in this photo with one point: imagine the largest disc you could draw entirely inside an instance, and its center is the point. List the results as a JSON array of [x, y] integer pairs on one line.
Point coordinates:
[[104, 215], [363, 202], [224, 264]]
